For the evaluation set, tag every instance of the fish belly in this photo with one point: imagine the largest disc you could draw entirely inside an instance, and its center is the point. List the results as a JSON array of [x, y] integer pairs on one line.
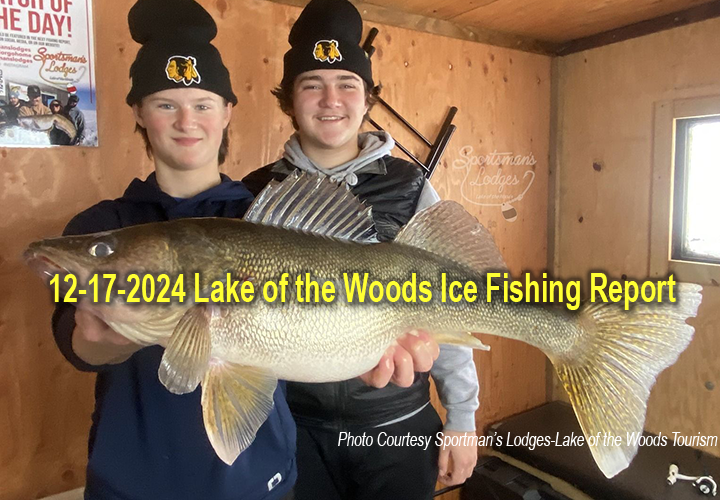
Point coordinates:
[[306, 343]]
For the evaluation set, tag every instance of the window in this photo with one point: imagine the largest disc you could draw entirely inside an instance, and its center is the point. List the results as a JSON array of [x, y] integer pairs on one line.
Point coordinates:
[[696, 206], [685, 207]]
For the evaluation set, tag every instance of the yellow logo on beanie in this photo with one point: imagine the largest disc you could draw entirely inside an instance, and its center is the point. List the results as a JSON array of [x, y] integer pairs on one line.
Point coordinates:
[[327, 51], [182, 69]]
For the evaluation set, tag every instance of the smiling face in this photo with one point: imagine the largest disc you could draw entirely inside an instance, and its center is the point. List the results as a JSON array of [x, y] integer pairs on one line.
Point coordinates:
[[329, 106], [184, 126]]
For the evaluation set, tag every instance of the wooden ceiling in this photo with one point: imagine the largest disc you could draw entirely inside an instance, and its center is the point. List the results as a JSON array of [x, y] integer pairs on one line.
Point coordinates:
[[553, 27], [556, 21]]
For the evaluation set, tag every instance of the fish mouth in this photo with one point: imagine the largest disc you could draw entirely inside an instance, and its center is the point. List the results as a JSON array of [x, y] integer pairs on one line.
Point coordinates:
[[45, 267]]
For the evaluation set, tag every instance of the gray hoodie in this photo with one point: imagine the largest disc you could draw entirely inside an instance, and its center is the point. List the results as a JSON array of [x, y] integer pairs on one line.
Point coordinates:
[[454, 371]]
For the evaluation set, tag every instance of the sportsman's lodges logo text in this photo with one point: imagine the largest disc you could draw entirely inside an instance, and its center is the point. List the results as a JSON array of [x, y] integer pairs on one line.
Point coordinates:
[[60, 66], [487, 184]]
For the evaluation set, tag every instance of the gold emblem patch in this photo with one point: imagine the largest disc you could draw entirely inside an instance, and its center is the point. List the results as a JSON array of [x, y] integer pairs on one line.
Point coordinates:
[[182, 69], [327, 51]]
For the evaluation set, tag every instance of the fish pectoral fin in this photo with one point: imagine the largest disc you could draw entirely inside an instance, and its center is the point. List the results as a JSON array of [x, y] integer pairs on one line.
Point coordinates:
[[187, 354], [448, 230], [236, 400], [465, 339]]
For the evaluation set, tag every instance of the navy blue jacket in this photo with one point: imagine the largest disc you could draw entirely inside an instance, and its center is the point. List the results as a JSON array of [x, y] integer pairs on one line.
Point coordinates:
[[146, 443]]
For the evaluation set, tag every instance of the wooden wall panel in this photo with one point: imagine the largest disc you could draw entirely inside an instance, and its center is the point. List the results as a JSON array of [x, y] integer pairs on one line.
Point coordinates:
[[503, 96], [605, 117]]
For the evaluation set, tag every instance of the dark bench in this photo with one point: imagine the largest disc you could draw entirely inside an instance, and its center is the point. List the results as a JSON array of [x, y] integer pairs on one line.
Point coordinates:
[[645, 479]]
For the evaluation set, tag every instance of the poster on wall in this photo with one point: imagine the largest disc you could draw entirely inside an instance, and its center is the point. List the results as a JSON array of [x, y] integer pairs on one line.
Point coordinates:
[[47, 73]]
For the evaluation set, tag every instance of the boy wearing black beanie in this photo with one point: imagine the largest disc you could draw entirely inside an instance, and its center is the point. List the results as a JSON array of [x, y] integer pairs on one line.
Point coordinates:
[[327, 91], [145, 442]]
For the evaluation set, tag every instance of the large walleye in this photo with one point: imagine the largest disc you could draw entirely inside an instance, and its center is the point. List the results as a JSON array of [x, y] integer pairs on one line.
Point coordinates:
[[607, 358], [38, 129]]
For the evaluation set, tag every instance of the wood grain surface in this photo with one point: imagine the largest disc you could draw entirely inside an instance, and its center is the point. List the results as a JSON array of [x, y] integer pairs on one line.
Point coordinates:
[[604, 129], [504, 99]]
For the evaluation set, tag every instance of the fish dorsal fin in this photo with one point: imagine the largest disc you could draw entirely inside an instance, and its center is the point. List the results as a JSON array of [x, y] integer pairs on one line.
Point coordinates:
[[448, 230], [313, 205]]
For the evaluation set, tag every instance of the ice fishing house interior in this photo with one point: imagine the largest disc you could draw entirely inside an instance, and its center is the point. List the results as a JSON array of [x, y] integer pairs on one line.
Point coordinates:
[[584, 135]]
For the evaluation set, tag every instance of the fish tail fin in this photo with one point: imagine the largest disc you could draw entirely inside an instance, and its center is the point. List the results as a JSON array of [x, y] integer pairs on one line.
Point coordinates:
[[609, 373]]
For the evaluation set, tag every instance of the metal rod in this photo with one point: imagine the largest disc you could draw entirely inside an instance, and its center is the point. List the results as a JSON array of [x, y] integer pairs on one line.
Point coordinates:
[[443, 137], [404, 121], [435, 153], [402, 148], [441, 141], [446, 124], [440, 150], [367, 46]]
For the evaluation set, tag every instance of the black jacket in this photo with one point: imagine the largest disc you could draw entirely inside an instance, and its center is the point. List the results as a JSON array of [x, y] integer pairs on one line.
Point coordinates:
[[392, 187], [146, 442]]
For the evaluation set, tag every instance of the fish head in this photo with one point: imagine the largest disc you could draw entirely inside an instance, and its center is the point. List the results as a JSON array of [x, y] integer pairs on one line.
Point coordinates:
[[134, 250], [139, 250]]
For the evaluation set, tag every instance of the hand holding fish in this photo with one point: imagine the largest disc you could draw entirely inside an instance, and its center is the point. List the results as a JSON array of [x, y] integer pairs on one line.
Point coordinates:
[[456, 461], [98, 344], [413, 352]]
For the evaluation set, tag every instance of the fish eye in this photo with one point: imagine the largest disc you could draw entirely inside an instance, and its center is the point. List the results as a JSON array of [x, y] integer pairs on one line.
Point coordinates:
[[101, 249]]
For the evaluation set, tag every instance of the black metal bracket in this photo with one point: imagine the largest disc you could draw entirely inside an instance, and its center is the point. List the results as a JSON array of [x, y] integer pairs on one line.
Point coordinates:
[[437, 148]]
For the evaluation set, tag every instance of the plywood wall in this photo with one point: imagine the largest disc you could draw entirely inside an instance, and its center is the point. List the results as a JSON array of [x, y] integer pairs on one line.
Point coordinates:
[[504, 100], [604, 149]]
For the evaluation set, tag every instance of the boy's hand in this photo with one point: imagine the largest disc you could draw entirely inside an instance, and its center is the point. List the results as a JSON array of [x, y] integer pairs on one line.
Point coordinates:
[[413, 352], [98, 344]]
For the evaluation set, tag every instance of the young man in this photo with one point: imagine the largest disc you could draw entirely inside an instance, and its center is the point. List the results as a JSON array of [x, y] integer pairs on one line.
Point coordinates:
[[35, 106], [77, 117], [11, 111], [55, 107], [326, 92], [146, 443]]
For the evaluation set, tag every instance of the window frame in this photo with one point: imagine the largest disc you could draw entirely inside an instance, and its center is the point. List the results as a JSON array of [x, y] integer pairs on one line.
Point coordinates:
[[682, 128], [663, 216]]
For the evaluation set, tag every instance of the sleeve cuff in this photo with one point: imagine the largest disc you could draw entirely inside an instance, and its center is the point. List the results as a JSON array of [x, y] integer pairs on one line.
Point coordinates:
[[460, 421], [63, 323]]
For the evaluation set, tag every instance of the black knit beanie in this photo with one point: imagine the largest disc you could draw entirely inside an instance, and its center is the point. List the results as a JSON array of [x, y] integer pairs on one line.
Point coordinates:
[[327, 35], [176, 52]]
